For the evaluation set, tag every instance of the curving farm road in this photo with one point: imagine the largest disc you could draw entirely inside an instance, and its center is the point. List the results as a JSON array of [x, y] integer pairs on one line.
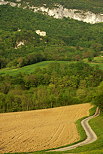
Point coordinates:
[[91, 136]]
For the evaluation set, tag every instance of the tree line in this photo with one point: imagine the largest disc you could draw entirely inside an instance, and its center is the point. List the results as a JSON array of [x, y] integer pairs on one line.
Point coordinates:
[[56, 85]]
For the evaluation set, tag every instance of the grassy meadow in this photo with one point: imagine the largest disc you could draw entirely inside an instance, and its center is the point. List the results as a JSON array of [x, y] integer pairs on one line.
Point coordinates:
[[31, 68], [28, 69]]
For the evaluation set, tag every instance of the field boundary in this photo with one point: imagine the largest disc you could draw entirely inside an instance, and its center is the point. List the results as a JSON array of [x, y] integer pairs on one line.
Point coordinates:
[[80, 129], [90, 134]]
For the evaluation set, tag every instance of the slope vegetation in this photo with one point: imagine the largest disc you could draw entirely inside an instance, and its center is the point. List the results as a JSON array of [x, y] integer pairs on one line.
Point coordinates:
[[66, 39], [57, 84], [91, 5]]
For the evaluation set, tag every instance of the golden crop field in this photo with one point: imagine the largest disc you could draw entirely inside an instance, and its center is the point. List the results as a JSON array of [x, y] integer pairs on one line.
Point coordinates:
[[40, 129]]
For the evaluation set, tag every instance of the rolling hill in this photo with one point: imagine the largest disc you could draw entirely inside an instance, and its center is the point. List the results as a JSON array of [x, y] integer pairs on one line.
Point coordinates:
[[51, 56]]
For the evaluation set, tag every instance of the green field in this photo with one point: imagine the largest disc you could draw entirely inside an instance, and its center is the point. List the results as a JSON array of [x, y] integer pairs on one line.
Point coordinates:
[[97, 64], [98, 59], [92, 152], [31, 68], [28, 69]]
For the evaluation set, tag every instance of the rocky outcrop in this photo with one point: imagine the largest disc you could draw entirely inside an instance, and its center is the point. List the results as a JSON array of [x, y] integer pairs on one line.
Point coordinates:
[[41, 33], [19, 44], [3, 2], [60, 12]]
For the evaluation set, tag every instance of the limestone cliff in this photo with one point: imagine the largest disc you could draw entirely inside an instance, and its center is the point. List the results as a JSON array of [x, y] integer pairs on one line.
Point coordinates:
[[59, 12]]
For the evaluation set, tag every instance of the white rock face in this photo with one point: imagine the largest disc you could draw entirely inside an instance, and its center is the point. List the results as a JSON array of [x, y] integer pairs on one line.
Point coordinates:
[[19, 44], [41, 33], [2, 2], [60, 12]]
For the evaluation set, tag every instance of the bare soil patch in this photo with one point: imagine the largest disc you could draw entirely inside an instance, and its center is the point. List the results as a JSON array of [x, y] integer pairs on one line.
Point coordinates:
[[40, 129]]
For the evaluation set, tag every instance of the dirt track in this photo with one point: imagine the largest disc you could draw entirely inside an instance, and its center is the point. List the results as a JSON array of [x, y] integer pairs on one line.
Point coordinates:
[[40, 129], [91, 136]]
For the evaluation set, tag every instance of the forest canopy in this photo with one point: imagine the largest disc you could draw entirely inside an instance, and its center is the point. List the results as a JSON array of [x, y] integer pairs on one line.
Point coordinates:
[[56, 85]]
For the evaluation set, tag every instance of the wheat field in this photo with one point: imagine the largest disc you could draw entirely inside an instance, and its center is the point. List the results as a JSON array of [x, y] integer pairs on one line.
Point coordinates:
[[40, 129]]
